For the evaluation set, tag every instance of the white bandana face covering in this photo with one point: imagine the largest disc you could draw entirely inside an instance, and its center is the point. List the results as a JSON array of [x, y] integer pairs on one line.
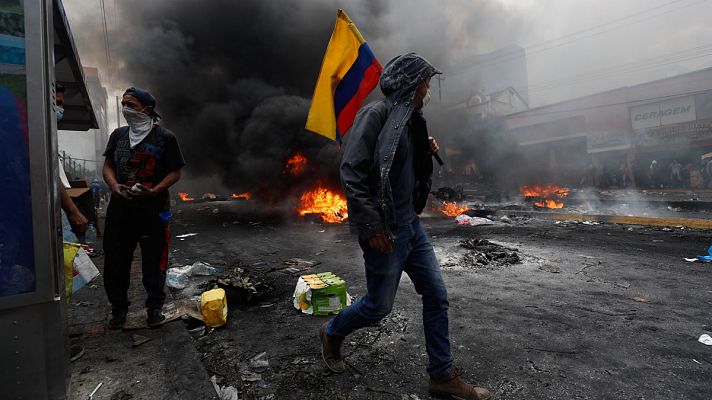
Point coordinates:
[[140, 125]]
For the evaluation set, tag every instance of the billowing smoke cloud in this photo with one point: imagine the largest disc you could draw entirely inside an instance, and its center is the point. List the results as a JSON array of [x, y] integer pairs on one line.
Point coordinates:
[[233, 78]]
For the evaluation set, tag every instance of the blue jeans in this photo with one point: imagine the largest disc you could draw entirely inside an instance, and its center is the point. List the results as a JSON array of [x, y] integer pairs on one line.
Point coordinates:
[[412, 253]]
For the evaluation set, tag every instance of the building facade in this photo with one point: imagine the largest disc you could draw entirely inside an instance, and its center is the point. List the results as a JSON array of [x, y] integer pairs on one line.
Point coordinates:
[[611, 139]]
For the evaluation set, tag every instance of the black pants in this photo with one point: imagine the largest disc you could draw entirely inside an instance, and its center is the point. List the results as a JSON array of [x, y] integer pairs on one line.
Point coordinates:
[[129, 224]]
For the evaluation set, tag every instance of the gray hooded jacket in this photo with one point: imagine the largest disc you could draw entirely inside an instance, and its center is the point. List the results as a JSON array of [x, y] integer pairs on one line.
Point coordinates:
[[371, 146]]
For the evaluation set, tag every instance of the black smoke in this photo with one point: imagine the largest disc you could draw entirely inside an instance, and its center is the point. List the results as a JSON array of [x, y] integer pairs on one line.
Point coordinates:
[[233, 79]]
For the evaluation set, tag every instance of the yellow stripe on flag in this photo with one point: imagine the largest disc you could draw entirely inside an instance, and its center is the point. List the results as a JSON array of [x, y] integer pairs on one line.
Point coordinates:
[[341, 53]]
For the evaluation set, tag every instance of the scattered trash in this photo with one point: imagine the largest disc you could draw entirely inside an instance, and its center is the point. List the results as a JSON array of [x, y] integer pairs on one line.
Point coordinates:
[[708, 257], [640, 300], [464, 219], [504, 219], [674, 209], [296, 265], [696, 361], [93, 392], [177, 277], [259, 363], [321, 294], [215, 211], [186, 235], [705, 339], [242, 286], [702, 259], [248, 376], [213, 306], [172, 311], [79, 269], [139, 339], [667, 230], [550, 268], [486, 253], [197, 332], [226, 392]]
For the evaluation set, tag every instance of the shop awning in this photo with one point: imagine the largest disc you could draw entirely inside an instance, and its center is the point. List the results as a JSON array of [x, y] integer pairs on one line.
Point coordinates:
[[78, 112]]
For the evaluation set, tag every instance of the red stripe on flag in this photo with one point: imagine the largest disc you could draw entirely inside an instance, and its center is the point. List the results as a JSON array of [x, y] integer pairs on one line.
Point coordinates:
[[370, 79]]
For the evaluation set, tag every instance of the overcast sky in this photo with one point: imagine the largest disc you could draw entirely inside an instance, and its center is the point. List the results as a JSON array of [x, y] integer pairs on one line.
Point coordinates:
[[608, 43]]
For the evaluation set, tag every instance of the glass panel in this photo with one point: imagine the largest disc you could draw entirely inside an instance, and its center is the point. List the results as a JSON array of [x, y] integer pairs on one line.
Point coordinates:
[[17, 263]]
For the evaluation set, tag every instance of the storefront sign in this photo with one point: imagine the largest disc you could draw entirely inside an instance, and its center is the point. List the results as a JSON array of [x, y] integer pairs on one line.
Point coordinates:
[[598, 142], [673, 111], [696, 131]]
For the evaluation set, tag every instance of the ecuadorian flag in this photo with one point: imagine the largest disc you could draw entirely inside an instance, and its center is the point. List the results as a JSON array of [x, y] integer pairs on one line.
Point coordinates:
[[348, 74]]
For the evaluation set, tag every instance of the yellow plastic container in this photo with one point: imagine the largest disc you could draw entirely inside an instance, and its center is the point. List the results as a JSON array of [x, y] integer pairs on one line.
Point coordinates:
[[213, 306]]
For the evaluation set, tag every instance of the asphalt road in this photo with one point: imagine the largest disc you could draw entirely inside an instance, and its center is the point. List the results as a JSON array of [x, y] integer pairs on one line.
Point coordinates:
[[591, 312]]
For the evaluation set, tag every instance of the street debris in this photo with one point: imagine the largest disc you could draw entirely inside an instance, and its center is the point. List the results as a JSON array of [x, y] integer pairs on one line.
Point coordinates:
[[177, 277], [296, 265], [93, 392], [485, 253], [259, 363], [705, 339], [242, 286], [136, 319], [186, 235], [464, 219], [321, 294], [213, 307], [226, 392], [139, 340], [702, 259], [550, 268]]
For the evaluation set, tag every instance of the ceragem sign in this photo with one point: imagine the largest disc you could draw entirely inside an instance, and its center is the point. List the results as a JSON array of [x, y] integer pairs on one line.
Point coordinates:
[[667, 112]]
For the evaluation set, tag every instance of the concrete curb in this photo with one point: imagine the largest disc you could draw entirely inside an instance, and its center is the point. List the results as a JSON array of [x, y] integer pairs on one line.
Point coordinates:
[[614, 219]]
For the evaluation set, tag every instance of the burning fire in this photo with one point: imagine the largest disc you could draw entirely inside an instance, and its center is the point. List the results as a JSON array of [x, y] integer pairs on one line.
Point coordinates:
[[245, 196], [185, 197], [451, 209], [329, 205], [296, 164], [545, 193], [548, 203]]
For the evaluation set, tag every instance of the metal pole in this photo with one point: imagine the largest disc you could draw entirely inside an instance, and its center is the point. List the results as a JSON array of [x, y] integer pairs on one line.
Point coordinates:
[[440, 92], [118, 112]]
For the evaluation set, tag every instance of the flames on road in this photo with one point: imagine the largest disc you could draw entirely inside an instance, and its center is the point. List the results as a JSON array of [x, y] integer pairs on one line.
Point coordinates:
[[452, 209], [245, 196], [328, 204], [185, 197], [296, 164], [546, 196]]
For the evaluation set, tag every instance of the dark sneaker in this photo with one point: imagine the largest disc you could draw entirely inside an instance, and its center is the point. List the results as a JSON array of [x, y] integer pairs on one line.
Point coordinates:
[[76, 352], [155, 317], [118, 317], [452, 387], [331, 350]]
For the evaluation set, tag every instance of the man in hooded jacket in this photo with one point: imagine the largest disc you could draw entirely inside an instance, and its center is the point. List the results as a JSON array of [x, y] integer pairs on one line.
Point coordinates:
[[386, 175]]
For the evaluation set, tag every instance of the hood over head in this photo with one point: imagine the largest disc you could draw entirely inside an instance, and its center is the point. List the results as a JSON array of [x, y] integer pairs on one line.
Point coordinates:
[[402, 75]]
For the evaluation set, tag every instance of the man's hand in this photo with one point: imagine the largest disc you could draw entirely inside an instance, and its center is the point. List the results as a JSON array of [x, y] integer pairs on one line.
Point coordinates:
[[142, 193], [434, 148], [381, 242], [78, 221], [120, 190]]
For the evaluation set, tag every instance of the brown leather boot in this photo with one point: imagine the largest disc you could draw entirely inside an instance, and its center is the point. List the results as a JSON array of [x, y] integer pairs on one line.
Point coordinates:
[[452, 387], [331, 350]]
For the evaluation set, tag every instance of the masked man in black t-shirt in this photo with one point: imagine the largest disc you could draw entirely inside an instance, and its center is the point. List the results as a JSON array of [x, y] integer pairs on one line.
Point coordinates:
[[142, 161]]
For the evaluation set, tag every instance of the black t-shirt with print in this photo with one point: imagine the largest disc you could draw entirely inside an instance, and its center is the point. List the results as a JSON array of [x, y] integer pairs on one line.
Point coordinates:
[[147, 163]]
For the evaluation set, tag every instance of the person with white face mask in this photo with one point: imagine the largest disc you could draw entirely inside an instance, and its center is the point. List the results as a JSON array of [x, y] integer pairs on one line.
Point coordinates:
[[142, 161]]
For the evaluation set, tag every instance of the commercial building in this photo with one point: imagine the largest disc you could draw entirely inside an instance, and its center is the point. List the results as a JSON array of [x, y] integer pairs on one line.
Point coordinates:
[[617, 133]]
